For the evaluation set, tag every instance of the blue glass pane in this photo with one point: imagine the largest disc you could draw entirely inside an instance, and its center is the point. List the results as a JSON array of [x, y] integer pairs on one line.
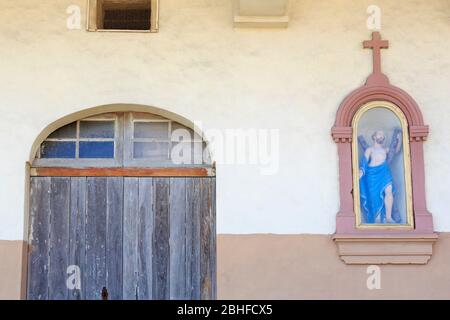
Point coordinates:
[[103, 150], [96, 129], [58, 149], [68, 131]]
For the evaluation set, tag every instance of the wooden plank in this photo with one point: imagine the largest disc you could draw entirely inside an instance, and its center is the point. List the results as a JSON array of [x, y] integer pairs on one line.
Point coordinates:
[[59, 238], [114, 251], [193, 210], [161, 251], [77, 245], [38, 239], [121, 172], [95, 238], [177, 218], [213, 238], [206, 285], [130, 238], [145, 238]]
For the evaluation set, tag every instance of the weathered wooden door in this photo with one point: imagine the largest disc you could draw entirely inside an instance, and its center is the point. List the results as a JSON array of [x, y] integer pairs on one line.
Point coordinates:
[[139, 237]]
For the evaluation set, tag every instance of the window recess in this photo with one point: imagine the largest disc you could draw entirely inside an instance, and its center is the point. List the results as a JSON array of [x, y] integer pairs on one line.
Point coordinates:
[[123, 15]]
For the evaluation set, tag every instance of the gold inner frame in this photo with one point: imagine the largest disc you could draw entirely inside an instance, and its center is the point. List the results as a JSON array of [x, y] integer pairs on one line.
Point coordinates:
[[406, 165]]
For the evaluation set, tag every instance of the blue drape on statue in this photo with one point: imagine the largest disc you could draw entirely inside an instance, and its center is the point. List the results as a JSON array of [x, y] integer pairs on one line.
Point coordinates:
[[372, 186]]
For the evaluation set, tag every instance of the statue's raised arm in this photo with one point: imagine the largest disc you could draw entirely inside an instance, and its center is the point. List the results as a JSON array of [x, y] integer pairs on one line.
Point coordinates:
[[396, 144], [363, 143]]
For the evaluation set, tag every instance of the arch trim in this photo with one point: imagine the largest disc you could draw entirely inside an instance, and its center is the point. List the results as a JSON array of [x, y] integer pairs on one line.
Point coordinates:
[[342, 130]]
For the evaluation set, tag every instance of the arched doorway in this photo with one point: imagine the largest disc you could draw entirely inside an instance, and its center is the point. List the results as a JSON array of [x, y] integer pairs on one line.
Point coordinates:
[[123, 203]]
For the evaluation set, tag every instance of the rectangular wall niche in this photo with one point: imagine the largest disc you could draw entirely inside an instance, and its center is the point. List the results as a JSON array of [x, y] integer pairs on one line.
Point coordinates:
[[261, 13], [123, 15]]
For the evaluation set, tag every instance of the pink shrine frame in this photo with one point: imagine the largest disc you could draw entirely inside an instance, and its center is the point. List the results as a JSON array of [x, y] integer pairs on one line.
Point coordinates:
[[378, 88]]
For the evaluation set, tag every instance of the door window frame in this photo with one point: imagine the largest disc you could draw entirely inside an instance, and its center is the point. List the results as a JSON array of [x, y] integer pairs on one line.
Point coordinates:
[[124, 144]]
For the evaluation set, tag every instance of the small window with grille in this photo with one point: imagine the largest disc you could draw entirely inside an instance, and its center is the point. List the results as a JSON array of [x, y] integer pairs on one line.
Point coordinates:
[[123, 15]]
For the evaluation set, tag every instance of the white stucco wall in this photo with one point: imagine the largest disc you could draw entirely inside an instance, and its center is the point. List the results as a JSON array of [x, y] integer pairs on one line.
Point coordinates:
[[198, 66]]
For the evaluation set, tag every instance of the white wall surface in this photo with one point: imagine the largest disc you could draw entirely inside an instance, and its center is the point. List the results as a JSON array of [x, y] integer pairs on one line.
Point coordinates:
[[201, 68]]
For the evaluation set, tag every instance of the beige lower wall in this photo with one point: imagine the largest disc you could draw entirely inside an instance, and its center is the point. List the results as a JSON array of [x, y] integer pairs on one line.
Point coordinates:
[[308, 267], [12, 269], [286, 267]]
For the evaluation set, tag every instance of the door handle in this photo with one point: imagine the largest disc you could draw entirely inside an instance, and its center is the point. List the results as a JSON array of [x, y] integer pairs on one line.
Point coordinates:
[[105, 293]]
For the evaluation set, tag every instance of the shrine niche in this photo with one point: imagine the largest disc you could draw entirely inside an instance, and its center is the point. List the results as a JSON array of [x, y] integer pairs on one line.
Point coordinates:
[[381, 164], [379, 131]]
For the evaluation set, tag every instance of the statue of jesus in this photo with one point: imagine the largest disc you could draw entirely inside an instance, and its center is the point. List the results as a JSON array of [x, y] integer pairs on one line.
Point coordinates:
[[375, 177]]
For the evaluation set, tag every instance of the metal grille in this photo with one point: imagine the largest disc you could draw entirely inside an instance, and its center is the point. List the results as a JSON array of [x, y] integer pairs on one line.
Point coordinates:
[[127, 19]]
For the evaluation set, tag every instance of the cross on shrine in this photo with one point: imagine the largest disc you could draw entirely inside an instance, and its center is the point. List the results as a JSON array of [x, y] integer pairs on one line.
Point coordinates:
[[376, 44]]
